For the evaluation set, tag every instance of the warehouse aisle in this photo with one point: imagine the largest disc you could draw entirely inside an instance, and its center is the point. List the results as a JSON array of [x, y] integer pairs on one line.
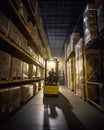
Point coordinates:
[[65, 112]]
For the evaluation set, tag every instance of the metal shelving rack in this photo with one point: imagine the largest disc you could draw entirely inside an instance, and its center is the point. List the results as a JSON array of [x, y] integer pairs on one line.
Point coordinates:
[[14, 50], [97, 43]]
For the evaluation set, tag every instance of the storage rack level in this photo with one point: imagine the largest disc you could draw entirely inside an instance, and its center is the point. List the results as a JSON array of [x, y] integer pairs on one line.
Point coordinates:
[[13, 14], [97, 43], [13, 49]]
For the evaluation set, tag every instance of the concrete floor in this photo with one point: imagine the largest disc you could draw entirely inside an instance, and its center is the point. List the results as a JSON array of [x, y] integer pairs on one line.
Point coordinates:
[[65, 112]]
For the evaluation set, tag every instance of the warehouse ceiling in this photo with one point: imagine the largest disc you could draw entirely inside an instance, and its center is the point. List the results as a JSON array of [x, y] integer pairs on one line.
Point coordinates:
[[60, 19]]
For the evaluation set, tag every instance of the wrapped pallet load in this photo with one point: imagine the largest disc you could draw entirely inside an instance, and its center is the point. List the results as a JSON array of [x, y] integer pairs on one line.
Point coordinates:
[[90, 23], [74, 38], [80, 69]]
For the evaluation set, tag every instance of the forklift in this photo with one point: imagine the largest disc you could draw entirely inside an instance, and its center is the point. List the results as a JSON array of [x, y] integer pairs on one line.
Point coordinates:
[[51, 87]]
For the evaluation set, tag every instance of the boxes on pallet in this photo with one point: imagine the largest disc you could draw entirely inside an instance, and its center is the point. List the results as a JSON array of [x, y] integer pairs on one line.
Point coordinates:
[[23, 12], [34, 32], [24, 42], [100, 14], [41, 84], [14, 33], [3, 103], [38, 40], [38, 72], [13, 99], [16, 36], [5, 59], [16, 68], [71, 74], [32, 29], [90, 23], [80, 70], [93, 69], [74, 38], [26, 92], [30, 51], [32, 71], [35, 88], [25, 69], [3, 24]]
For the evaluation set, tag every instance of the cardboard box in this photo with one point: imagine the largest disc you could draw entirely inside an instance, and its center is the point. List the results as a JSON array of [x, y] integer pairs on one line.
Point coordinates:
[[32, 71], [14, 33], [25, 68], [26, 92], [5, 60], [90, 23], [16, 68], [3, 24], [74, 38]]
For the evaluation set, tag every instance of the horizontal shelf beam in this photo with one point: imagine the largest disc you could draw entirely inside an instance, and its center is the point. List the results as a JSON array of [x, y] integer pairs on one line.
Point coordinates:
[[19, 82]]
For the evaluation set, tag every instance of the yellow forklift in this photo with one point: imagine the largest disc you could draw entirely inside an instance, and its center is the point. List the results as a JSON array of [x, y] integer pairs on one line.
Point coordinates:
[[51, 77]]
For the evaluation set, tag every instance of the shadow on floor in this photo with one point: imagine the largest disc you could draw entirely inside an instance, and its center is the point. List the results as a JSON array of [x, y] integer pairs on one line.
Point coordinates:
[[52, 108]]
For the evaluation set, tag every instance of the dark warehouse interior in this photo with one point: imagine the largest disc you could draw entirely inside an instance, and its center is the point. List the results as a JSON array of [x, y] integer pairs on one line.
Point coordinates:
[[51, 64]]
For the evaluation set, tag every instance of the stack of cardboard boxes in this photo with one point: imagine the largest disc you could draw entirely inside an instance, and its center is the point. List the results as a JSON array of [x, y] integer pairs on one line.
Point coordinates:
[[90, 23], [80, 69], [26, 93]]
